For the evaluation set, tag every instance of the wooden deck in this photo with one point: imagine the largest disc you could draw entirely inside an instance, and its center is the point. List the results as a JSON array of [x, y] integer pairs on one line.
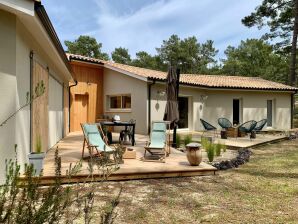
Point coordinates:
[[70, 149], [243, 142]]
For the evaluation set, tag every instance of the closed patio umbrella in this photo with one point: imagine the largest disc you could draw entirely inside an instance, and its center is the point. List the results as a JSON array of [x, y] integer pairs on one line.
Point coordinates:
[[172, 89]]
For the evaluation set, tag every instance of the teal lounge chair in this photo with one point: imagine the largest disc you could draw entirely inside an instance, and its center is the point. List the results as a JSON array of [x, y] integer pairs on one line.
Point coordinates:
[[157, 147], [93, 139]]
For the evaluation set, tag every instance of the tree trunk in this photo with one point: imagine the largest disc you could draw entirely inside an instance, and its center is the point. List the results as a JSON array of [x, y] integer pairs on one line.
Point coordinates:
[[292, 79]]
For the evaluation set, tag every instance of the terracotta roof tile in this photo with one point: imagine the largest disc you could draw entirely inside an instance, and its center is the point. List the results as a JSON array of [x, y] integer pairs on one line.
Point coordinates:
[[209, 81]]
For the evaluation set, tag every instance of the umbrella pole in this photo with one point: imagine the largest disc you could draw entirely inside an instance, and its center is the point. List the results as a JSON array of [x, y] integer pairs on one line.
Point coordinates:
[[174, 144]]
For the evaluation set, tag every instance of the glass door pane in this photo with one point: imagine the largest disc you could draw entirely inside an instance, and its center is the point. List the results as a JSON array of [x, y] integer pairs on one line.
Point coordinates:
[[183, 112], [236, 111], [269, 113]]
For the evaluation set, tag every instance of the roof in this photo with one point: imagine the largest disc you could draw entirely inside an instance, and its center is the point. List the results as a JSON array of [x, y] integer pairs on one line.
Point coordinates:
[[200, 80], [46, 22]]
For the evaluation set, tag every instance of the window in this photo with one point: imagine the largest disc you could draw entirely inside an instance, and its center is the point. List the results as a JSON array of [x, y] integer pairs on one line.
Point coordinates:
[[115, 102], [119, 102], [126, 102]]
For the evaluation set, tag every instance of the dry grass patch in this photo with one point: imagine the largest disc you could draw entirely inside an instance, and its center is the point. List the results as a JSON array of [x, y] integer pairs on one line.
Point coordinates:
[[265, 190]]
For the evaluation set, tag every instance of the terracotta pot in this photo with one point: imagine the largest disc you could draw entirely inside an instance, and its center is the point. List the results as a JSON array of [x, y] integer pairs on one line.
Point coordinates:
[[194, 154]]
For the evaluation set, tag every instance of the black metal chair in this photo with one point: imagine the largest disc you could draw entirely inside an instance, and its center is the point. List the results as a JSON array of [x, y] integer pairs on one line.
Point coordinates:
[[224, 123], [247, 127], [128, 132], [208, 127], [260, 125]]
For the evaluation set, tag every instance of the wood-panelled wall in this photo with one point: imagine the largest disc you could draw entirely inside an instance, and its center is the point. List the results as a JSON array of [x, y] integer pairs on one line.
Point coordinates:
[[90, 83], [40, 111]]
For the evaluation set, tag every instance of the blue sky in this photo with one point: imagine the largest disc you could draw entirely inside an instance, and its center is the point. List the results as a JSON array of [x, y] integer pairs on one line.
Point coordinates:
[[143, 24]]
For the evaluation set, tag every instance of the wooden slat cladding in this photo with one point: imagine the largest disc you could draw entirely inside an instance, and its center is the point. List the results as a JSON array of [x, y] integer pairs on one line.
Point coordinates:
[[90, 83], [40, 114]]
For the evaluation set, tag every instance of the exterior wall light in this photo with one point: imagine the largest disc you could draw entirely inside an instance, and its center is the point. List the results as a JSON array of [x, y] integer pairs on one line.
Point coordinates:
[[204, 98], [161, 93]]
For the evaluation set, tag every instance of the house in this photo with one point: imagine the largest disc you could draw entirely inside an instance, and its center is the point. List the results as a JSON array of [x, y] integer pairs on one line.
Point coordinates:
[[139, 93], [30, 51], [80, 89]]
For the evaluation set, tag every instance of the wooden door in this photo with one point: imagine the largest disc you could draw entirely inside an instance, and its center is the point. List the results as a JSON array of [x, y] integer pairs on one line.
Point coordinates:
[[80, 111]]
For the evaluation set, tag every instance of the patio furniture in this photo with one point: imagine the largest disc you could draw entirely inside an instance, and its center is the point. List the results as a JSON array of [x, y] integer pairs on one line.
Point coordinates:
[[208, 127], [260, 125], [233, 132], [129, 154], [247, 127], [127, 132], [157, 147], [94, 140], [122, 123], [224, 134], [224, 123]]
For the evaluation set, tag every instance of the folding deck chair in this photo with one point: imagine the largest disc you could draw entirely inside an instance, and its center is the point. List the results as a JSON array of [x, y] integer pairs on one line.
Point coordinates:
[[157, 147], [93, 140]]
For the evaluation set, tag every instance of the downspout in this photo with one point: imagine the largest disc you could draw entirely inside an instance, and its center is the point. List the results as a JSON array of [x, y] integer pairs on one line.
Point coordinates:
[[76, 83], [31, 94], [149, 105]]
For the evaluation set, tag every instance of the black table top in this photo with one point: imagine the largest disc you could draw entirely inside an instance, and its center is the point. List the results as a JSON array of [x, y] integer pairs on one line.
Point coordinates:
[[118, 123]]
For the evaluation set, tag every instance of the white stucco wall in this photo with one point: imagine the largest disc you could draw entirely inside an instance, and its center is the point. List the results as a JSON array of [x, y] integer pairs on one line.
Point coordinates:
[[158, 104], [16, 42], [117, 83], [254, 106], [8, 83], [220, 104]]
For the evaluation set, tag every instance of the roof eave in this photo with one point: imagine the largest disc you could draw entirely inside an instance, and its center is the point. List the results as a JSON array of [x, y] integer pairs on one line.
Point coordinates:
[[45, 20], [229, 88]]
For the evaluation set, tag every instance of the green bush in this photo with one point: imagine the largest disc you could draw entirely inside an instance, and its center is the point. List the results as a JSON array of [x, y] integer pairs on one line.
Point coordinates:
[[26, 201], [178, 140], [204, 142], [187, 139], [224, 148], [38, 145], [218, 148], [210, 149]]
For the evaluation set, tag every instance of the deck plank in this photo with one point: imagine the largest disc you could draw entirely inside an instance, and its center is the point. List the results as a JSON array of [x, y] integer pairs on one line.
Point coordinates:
[[176, 164]]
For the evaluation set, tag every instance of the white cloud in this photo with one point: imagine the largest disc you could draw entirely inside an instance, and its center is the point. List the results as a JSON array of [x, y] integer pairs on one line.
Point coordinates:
[[143, 25]]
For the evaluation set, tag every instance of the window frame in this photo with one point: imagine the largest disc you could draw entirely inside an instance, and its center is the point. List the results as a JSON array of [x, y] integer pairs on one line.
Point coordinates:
[[108, 97]]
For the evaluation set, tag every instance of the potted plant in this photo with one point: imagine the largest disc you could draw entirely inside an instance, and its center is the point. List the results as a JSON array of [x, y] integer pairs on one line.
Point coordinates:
[[36, 157]]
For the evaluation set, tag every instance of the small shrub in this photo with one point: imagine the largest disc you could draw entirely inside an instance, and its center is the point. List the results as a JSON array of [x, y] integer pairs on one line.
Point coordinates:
[[178, 140], [210, 149], [187, 139], [38, 145], [218, 148], [224, 148], [204, 142]]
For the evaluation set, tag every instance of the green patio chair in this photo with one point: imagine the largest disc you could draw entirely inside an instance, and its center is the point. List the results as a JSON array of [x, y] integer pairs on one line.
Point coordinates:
[[224, 123], [157, 146], [247, 127], [94, 140], [260, 125], [208, 127]]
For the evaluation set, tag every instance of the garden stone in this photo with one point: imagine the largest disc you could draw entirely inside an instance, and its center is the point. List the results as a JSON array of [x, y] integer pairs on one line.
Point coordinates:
[[242, 157]]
